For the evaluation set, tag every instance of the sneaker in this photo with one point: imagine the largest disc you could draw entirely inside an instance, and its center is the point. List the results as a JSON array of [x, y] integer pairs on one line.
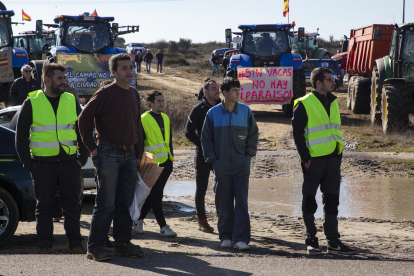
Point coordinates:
[[313, 246], [226, 244], [108, 243], [242, 246], [44, 250], [99, 255], [128, 250], [167, 232], [138, 225], [204, 226], [77, 250], [339, 248]]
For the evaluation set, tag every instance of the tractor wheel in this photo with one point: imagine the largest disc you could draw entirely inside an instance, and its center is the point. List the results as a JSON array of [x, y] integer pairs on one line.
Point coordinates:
[[361, 95], [350, 92], [376, 91], [9, 216], [394, 107], [299, 90], [327, 56]]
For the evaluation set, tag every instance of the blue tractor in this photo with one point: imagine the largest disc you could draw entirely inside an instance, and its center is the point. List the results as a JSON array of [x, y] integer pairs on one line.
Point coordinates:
[[18, 58], [268, 46], [82, 36]]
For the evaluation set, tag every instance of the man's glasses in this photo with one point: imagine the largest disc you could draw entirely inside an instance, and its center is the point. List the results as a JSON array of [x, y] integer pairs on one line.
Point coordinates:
[[331, 79], [27, 71]]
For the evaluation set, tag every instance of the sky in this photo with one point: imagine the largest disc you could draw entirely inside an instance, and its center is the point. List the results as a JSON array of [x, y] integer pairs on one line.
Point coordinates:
[[203, 21]]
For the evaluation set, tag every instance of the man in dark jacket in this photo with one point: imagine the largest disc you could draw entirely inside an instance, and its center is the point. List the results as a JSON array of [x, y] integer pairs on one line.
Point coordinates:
[[225, 63], [148, 58], [229, 139], [317, 133], [23, 86], [138, 60], [159, 56], [216, 62], [193, 133]]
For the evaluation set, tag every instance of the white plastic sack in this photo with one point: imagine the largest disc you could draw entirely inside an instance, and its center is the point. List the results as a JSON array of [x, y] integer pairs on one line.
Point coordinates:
[[141, 193]]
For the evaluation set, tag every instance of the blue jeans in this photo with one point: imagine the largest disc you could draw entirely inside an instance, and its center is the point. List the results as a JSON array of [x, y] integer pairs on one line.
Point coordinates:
[[138, 67], [159, 66], [117, 172], [148, 66], [216, 66]]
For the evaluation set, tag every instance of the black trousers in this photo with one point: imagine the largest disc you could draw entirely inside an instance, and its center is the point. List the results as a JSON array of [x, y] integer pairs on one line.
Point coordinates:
[[47, 178], [202, 171], [326, 173], [154, 199]]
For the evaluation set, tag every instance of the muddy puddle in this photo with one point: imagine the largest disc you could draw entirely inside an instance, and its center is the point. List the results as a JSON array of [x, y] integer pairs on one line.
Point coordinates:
[[378, 198]]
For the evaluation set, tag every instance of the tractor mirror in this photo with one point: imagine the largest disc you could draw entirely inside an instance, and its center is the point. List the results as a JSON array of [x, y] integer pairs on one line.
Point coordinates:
[[39, 26], [115, 28], [228, 35], [301, 34]]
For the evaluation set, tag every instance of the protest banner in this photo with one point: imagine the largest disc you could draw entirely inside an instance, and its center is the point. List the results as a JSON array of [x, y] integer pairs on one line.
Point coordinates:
[[6, 67], [265, 85], [85, 72]]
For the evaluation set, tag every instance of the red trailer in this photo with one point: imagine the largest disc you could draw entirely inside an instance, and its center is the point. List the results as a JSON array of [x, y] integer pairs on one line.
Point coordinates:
[[366, 44]]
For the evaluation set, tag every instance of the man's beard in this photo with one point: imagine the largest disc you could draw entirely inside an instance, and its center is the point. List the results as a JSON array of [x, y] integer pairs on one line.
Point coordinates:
[[56, 89]]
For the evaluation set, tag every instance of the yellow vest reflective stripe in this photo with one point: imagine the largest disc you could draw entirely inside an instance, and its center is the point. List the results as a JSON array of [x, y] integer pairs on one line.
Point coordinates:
[[322, 133], [49, 131], [154, 142]]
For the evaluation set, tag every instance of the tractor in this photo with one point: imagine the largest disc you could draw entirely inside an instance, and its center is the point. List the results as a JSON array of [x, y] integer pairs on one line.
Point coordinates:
[[392, 82], [253, 54], [84, 45], [11, 59], [35, 43], [308, 48]]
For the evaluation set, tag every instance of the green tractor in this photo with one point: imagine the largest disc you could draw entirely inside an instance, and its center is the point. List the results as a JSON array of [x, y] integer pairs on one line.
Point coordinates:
[[308, 47], [392, 85], [36, 43]]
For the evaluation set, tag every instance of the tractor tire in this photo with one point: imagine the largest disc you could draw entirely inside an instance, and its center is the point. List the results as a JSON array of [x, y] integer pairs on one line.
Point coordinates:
[[360, 103], [350, 92], [299, 90], [9, 216], [327, 56], [394, 107], [376, 95]]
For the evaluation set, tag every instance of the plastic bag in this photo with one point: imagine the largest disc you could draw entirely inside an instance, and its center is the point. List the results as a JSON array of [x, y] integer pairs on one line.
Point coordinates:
[[141, 193]]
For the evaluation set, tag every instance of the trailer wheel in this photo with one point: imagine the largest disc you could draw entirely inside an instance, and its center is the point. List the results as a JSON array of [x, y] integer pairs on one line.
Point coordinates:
[[376, 91], [9, 216], [299, 90], [350, 92], [360, 103], [394, 107]]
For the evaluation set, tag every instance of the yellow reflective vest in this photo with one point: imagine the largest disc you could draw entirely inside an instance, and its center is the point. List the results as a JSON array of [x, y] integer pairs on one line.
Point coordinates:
[[322, 133], [154, 142], [48, 131]]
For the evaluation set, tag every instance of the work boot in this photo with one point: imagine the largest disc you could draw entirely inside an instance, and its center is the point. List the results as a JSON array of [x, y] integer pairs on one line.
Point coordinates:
[[128, 249], [99, 255], [44, 250], [204, 226], [77, 250]]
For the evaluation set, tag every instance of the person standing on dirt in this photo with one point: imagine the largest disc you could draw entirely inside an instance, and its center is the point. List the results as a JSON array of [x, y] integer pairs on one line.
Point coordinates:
[[193, 130], [138, 61], [159, 56], [216, 62], [157, 139], [48, 141], [229, 139], [225, 63], [22, 86], [317, 134], [114, 111], [148, 58]]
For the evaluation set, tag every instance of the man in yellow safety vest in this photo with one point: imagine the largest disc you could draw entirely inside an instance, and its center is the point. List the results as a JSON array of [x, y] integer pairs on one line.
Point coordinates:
[[157, 139], [317, 133], [47, 141]]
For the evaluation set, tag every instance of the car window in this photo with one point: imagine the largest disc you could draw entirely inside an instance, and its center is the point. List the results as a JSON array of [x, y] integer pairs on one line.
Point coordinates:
[[310, 65], [13, 122], [329, 64], [5, 118]]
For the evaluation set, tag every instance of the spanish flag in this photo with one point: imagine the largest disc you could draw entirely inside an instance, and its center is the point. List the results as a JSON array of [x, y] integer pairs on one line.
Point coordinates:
[[25, 17], [94, 13], [285, 7]]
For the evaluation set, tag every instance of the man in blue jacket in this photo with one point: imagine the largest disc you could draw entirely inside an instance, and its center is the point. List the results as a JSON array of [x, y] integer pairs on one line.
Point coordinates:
[[229, 140]]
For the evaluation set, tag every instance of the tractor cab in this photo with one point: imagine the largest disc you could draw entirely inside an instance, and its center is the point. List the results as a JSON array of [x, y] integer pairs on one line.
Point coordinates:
[[5, 29], [309, 43], [35, 43]]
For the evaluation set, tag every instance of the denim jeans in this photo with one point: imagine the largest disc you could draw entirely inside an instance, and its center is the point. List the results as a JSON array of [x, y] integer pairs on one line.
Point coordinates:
[[216, 66], [159, 66], [117, 172], [138, 67], [148, 66]]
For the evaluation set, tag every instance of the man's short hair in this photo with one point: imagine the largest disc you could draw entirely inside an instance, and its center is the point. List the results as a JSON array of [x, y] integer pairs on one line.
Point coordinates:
[[105, 83], [25, 66], [318, 74], [228, 83], [113, 61], [152, 94], [207, 82], [49, 70]]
